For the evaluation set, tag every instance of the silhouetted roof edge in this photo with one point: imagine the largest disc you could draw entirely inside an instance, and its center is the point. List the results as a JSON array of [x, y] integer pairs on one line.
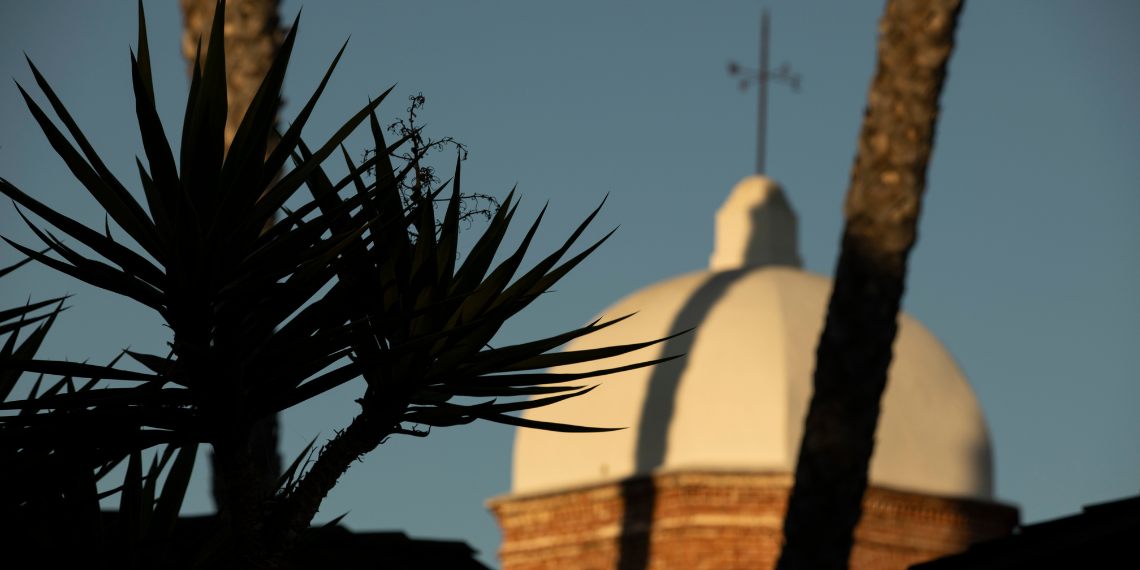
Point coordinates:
[[1100, 534]]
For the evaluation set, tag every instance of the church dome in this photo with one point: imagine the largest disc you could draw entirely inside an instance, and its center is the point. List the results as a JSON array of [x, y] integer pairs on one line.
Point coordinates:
[[738, 400]]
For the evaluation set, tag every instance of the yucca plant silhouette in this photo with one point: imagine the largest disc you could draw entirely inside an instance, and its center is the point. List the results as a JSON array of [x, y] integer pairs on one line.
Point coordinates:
[[252, 333]]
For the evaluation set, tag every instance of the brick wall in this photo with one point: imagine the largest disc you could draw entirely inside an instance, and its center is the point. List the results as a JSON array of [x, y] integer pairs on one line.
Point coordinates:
[[723, 521]]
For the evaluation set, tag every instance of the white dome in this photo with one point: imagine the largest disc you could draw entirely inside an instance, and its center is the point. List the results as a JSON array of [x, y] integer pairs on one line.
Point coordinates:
[[738, 400]]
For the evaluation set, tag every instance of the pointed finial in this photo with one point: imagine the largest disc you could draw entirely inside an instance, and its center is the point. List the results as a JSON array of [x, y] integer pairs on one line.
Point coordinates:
[[756, 226]]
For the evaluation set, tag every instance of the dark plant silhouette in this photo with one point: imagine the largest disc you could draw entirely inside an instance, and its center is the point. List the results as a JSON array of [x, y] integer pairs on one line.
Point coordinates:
[[424, 180], [256, 330], [252, 38]]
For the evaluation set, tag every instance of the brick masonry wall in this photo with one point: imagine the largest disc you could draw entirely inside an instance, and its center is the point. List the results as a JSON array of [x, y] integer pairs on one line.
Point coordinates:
[[723, 521]]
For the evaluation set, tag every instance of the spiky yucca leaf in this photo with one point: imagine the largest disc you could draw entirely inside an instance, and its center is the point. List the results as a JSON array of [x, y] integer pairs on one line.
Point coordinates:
[[252, 333], [221, 286], [432, 320]]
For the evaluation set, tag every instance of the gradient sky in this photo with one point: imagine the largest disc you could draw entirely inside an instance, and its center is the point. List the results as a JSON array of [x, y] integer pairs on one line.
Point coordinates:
[[1027, 263]]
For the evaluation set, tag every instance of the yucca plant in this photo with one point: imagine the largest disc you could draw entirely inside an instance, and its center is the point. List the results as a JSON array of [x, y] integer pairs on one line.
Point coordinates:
[[252, 333], [58, 510], [56, 520], [12, 322]]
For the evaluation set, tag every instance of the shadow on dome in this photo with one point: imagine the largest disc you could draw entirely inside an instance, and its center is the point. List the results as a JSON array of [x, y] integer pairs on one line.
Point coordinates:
[[657, 415]]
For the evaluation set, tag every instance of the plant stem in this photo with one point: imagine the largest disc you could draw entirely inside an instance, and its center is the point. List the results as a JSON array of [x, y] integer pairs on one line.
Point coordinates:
[[369, 429]]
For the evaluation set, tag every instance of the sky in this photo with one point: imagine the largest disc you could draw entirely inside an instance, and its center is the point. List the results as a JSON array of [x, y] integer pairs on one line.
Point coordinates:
[[1026, 265]]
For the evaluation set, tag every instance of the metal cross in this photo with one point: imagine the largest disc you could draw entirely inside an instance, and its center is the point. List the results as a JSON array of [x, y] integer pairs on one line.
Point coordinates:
[[762, 78]]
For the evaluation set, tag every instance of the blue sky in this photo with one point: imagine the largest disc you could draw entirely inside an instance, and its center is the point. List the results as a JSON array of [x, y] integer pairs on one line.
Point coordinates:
[[1027, 264]]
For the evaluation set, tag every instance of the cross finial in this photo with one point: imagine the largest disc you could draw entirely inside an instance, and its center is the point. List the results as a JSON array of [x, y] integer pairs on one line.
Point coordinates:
[[762, 78]]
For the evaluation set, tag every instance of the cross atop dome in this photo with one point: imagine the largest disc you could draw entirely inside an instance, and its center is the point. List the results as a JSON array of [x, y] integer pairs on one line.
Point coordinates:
[[762, 78]]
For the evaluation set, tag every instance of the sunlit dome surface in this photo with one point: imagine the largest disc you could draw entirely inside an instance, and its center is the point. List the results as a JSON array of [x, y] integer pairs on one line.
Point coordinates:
[[738, 401]]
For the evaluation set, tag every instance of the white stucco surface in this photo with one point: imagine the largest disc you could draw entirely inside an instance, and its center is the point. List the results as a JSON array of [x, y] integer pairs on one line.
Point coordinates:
[[738, 400], [755, 226]]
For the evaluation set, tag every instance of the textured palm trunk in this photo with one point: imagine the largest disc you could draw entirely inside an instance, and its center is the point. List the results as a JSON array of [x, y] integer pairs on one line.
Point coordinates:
[[916, 38], [253, 36]]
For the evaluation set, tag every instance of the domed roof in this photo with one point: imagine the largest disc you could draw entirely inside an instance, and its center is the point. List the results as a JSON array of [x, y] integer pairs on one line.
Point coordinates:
[[738, 400]]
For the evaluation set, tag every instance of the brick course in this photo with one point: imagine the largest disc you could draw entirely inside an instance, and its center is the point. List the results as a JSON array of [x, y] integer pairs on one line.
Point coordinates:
[[725, 521]]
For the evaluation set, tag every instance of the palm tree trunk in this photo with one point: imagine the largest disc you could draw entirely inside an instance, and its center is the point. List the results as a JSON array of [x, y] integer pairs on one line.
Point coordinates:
[[253, 36], [883, 203]]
